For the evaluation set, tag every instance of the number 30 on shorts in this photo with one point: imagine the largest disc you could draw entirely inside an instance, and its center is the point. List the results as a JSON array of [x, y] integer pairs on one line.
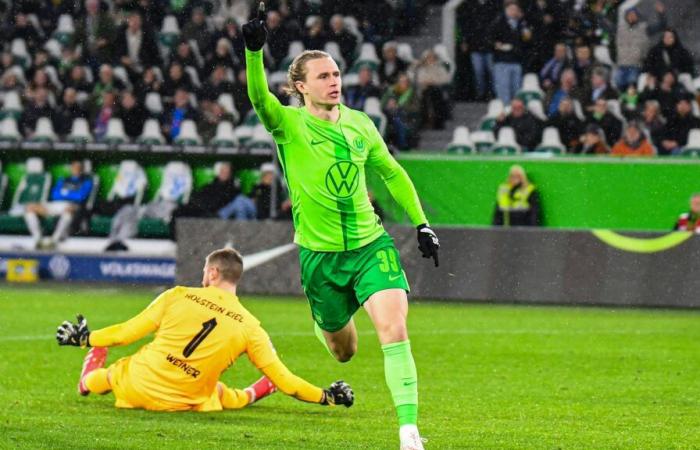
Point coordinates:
[[388, 261]]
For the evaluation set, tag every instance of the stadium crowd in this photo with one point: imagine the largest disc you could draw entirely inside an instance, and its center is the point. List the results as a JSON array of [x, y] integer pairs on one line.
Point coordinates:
[[178, 61], [606, 78]]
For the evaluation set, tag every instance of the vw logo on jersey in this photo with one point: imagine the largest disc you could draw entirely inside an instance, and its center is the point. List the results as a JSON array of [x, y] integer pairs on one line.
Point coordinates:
[[342, 179], [359, 143]]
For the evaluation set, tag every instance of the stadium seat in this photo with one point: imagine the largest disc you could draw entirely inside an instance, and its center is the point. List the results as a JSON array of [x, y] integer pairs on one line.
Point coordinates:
[[12, 105], [130, 182], [692, 148], [461, 142], [352, 25], [52, 74], [601, 53], [367, 58], [373, 109], [536, 108], [531, 89], [226, 102], [495, 109], [405, 52], [243, 134], [54, 48], [251, 119], [3, 186], [444, 57], [696, 85], [9, 131], [151, 134], [295, 47], [115, 132], [193, 76], [506, 143], [44, 131], [686, 80], [154, 103], [578, 110], [122, 75], [169, 32], [32, 188], [196, 52], [176, 186], [188, 134], [483, 140], [551, 142], [642, 81], [333, 49], [65, 30], [261, 139], [18, 48], [616, 110], [224, 135]]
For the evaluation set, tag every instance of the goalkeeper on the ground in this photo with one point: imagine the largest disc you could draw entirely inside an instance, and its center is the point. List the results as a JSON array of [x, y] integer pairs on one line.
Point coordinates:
[[199, 333]]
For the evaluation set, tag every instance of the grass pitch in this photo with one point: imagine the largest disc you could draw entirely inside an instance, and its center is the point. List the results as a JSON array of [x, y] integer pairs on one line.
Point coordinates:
[[489, 377]]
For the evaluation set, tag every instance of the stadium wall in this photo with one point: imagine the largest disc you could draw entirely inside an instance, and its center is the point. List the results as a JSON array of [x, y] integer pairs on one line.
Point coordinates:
[[597, 267], [575, 192]]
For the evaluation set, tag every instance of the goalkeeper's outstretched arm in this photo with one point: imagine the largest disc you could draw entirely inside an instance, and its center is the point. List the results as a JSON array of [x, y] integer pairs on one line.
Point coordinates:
[[79, 335]]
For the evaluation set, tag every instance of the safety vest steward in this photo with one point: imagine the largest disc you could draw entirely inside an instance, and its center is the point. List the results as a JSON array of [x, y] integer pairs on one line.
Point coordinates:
[[519, 201]]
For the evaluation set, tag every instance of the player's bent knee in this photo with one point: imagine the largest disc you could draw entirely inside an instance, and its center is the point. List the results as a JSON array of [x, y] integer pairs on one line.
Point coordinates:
[[393, 332], [344, 353]]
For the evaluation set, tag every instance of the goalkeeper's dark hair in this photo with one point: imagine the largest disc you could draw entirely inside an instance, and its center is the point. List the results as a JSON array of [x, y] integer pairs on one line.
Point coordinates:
[[229, 262], [297, 71]]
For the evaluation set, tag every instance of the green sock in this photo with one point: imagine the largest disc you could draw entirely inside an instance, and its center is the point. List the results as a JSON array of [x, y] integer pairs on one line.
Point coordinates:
[[322, 338], [402, 379]]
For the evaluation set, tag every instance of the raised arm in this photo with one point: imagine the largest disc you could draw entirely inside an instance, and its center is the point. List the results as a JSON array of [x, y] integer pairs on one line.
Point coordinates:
[[266, 105]]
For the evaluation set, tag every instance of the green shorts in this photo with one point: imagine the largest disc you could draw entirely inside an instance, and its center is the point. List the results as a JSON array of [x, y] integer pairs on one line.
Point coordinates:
[[337, 283]]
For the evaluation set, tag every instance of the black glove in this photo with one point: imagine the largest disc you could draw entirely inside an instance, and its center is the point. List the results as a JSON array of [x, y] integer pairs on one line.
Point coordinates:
[[76, 334], [339, 393], [428, 243], [254, 32]]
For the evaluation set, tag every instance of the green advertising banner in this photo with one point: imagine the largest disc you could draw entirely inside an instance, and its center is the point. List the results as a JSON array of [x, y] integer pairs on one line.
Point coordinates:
[[575, 192]]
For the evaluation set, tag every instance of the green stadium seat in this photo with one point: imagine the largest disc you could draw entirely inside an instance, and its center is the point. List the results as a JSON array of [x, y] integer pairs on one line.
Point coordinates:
[[461, 141], [130, 182], [188, 134], [551, 142], [506, 143], [483, 140], [33, 188], [692, 148], [531, 89], [176, 185], [169, 33]]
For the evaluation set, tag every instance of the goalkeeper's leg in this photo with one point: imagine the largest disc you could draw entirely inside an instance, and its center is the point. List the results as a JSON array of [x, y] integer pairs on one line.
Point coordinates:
[[97, 382], [388, 310], [240, 398], [93, 370]]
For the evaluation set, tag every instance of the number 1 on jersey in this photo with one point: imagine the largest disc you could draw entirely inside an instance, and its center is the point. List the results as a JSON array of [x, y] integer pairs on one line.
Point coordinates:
[[199, 337]]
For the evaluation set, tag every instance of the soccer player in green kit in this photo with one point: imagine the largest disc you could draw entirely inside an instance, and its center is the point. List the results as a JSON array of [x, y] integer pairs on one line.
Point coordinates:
[[347, 258]]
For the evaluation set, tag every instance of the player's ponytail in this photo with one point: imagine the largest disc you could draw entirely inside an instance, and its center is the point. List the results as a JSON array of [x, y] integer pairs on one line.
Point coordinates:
[[297, 71]]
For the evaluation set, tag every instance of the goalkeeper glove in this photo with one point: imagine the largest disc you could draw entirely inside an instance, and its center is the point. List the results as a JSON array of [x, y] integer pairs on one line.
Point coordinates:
[[254, 32], [76, 334], [428, 243], [339, 393]]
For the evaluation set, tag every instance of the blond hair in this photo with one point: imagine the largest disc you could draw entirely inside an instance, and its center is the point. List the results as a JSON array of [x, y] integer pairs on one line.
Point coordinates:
[[229, 262], [297, 71]]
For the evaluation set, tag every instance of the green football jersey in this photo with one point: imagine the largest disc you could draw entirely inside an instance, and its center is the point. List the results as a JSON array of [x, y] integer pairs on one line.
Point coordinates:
[[324, 166]]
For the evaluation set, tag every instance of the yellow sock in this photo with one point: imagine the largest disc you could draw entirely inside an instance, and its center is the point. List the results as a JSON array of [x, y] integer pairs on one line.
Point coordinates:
[[97, 381], [232, 398]]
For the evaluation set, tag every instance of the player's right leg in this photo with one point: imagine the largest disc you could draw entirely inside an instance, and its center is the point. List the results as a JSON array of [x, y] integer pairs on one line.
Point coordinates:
[[93, 378], [341, 344], [240, 398]]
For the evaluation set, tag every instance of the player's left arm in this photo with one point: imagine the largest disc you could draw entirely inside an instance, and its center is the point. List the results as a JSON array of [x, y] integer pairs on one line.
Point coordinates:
[[403, 191], [139, 326]]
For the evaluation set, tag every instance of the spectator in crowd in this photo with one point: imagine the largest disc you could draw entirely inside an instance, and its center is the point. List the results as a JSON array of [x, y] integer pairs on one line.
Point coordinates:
[[133, 115], [402, 108], [632, 40], [68, 197], [135, 46], [474, 19], [678, 126], [431, 78], [668, 93], [95, 32], [232, 33], [583, 64], [148, 82], [185, 57], [633, 142], [517, 201], [23, 29], [67, 112], [391, 65], [315, 36], [600, 88], [356, 95], [546, 20], [210, 199], [223, 56], [40, 81], [690, 221], [176, 79], [233, 11], [9, 82], [345, 39], [629, 102], [180, 111], [212, 114], [77, 80], [278, 37], [105, 82], [216, 85], [593, 141], [101, 115], [655, 124], [528, 129], [553, 69], [240, 94], [669, 55], [239, 207], [509, 34], [611, 125], [568, 88], [262, 195], [569, 125], [38, 107], [197, 30]]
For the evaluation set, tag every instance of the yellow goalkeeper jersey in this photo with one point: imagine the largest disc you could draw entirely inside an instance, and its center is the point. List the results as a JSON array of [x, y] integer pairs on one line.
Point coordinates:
[[199, 333]]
